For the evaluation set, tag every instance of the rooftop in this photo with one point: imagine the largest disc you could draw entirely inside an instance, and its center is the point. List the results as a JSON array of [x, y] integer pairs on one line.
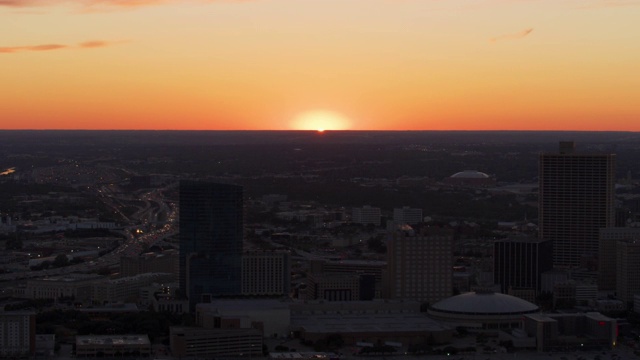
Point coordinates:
[[112, 339], [484, 303]]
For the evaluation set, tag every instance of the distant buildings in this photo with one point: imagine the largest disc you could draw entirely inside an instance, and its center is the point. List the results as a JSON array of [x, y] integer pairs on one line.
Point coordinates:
[[407, 215], [576, 200], [211, 235], [470, 178], [519, 262], [366, 215], [420, 266]]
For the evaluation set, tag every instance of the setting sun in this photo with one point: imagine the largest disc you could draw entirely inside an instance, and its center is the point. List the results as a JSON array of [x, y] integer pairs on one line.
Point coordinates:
[[321, 121]]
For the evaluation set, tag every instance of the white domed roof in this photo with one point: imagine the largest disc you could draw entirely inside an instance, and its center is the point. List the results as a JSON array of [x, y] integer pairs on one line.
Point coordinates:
[[470, 174], [484, 303]]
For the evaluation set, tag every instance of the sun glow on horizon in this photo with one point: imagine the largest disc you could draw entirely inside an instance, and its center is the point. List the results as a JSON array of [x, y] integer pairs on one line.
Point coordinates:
[[320, 121]]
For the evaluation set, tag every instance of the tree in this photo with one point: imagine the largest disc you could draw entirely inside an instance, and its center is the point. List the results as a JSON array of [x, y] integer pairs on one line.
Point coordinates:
[[60, 261], [13, 244]]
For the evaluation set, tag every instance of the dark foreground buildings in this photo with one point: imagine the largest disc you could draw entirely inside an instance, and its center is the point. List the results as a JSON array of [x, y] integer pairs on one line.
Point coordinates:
[[211, 229]]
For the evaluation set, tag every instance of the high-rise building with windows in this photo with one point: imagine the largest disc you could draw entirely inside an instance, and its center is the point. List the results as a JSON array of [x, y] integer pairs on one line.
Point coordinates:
[[211, 232], [17, 334], [266, 272], [520, 261], [420, 266], [576, 200]]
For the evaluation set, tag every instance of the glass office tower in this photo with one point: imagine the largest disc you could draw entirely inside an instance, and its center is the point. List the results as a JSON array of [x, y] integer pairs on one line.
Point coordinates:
[[211, 230]]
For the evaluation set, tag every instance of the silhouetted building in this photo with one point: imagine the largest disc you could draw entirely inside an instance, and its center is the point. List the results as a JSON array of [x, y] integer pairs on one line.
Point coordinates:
[[420, 267], [211, 231], [520, 262], [609, 237], [627, 269], [576, 200]]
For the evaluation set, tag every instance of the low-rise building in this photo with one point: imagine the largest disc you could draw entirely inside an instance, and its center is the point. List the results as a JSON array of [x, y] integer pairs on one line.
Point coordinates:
[[104, 312], [127, 288], [113, 345], [564, 331], [271, 315], [80, 287], [366, 321], [202, 342], [166, 262]]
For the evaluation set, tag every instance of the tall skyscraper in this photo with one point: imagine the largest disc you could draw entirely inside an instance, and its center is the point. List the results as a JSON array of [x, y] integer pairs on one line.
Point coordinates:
[[211, 232], [519, 262], [576, 201], [420, 266]]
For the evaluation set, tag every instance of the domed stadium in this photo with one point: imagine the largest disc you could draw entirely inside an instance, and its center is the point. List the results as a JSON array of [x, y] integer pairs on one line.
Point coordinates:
[[482, 310], [471, 178], [470, 174]]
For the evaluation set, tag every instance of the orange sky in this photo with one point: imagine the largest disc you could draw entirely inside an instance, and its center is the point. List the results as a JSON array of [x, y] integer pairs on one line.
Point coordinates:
[[332, 64]]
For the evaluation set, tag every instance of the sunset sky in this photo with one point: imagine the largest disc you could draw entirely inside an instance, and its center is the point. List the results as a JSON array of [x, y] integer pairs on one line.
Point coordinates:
[[320, 64]]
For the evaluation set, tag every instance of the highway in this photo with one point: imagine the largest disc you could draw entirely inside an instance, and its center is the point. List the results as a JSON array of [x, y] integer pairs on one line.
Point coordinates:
[[144, 229]]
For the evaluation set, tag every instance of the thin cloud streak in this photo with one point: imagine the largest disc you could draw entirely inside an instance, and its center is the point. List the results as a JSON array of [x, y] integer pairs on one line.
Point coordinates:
[[516, 36], [48, 47], [45, 47], [93, 44]]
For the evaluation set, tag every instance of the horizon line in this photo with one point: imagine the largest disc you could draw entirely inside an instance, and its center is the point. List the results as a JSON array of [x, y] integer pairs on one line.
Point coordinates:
[[330, 131]]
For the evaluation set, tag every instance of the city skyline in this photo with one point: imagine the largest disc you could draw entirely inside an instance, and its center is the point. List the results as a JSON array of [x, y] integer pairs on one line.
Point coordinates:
[[320, 65]]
